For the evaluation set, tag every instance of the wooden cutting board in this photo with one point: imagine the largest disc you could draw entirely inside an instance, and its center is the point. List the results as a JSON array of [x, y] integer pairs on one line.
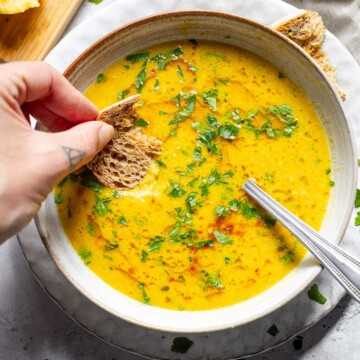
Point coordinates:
[[32, 34]]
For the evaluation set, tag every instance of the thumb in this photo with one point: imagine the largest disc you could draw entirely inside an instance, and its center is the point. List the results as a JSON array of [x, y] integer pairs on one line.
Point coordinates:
[[67, 151]]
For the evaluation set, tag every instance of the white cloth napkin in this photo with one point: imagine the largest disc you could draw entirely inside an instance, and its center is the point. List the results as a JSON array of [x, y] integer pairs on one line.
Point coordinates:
[[341, 17]]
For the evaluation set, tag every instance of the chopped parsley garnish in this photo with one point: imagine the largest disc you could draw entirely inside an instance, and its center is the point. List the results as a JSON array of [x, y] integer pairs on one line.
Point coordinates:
[[161, 163], [210, 98], [85, 254], [314, 294], [227, 260], [156, 85], [93, 185], [234, 205], [146, 299], [100, 78], [116, 194], [177, 99], [357, 198], [91, 228], [174, 232], [172, 54], [228, 131], [288, 258], [273, 330], [214, 282], [269, 221], [141, 122], [140, 80], [191, 202], [180, 73], [155, 243], [122, 94], [109, 246], [182, 114], [193, 41], [248, 211], [222, 238], [143, 255], [197, 153], [221, 211], [121, 220], [327, 171], [357, 219], [331, 183], [58, 198], [176, 191], [181, 345], [181, 277], [281, 75], [101, 206], [212, 120], [285, 114], [134, 58]]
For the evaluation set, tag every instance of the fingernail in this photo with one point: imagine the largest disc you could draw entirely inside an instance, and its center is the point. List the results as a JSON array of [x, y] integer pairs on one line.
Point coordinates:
[[106, 133]]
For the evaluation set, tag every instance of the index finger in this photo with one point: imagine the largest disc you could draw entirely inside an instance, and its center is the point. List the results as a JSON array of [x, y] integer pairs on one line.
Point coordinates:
[[40, 85]]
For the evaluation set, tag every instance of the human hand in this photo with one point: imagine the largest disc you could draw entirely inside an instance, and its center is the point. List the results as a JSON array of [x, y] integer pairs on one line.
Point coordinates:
[[33, 162]]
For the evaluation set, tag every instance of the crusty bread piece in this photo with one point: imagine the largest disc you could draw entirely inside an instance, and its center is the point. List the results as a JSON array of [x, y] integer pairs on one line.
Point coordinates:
[[125, 160], [307, 30]]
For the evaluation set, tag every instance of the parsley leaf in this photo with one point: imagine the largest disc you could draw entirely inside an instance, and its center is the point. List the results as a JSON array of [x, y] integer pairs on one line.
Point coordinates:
[[172, 54], [155, 243], [181, 345], [210, 98], [222, 238], [191, 202], [314, 294], [134, 58], [176, 191], [288, 258], [273, 330], [100, 78], [140, 80], [357, 198], [248, 211], [122, 94], [101, 206], [146, 299], [221, 211], [141, 122]]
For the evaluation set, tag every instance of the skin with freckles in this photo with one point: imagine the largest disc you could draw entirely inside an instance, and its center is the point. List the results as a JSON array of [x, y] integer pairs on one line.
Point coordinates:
[[31, 161]]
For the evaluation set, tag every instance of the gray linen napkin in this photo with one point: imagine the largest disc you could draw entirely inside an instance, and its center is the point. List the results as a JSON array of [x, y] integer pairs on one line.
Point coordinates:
[[341, 17]]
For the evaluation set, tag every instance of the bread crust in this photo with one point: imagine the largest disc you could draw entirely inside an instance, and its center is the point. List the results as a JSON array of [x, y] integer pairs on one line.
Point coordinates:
[[125, 160], [307, 30]]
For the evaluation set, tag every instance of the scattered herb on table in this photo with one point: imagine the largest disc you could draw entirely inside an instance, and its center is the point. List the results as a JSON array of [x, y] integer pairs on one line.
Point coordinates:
[[181, 345], [273, 330], [315, 294]]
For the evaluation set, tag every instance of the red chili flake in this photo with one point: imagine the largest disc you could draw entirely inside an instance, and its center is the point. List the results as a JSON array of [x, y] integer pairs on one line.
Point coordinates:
[[153, 71], [131, 271]]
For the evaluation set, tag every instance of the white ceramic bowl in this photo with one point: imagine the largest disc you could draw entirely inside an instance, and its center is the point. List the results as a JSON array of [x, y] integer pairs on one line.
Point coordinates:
[[288, 57]]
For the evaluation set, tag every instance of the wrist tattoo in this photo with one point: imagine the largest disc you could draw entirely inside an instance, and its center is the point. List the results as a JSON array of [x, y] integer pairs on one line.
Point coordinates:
[[75, 156]]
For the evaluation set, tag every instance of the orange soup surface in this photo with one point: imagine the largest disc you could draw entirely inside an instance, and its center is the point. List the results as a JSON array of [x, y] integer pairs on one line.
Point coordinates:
[[188, 238]]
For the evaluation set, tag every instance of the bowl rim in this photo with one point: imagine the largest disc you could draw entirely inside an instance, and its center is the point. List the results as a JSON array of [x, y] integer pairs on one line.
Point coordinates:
[[220, 14]]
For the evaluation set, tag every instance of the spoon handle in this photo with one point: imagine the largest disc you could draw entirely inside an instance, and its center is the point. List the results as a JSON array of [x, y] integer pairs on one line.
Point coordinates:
[[339, 263]]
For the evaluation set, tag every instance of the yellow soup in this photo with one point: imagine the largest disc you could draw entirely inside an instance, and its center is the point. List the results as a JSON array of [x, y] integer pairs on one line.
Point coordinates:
[[188, 238]]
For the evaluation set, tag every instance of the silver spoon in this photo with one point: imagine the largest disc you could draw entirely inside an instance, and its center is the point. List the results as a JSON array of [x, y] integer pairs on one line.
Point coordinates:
[[340, 264]]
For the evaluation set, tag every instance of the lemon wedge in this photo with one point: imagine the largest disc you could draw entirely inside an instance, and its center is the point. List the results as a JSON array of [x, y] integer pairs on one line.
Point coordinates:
[[17, 6]]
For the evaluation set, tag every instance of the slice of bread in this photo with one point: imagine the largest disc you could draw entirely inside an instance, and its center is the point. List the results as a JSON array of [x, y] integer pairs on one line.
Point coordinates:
[[307, 30], [125, 160]]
